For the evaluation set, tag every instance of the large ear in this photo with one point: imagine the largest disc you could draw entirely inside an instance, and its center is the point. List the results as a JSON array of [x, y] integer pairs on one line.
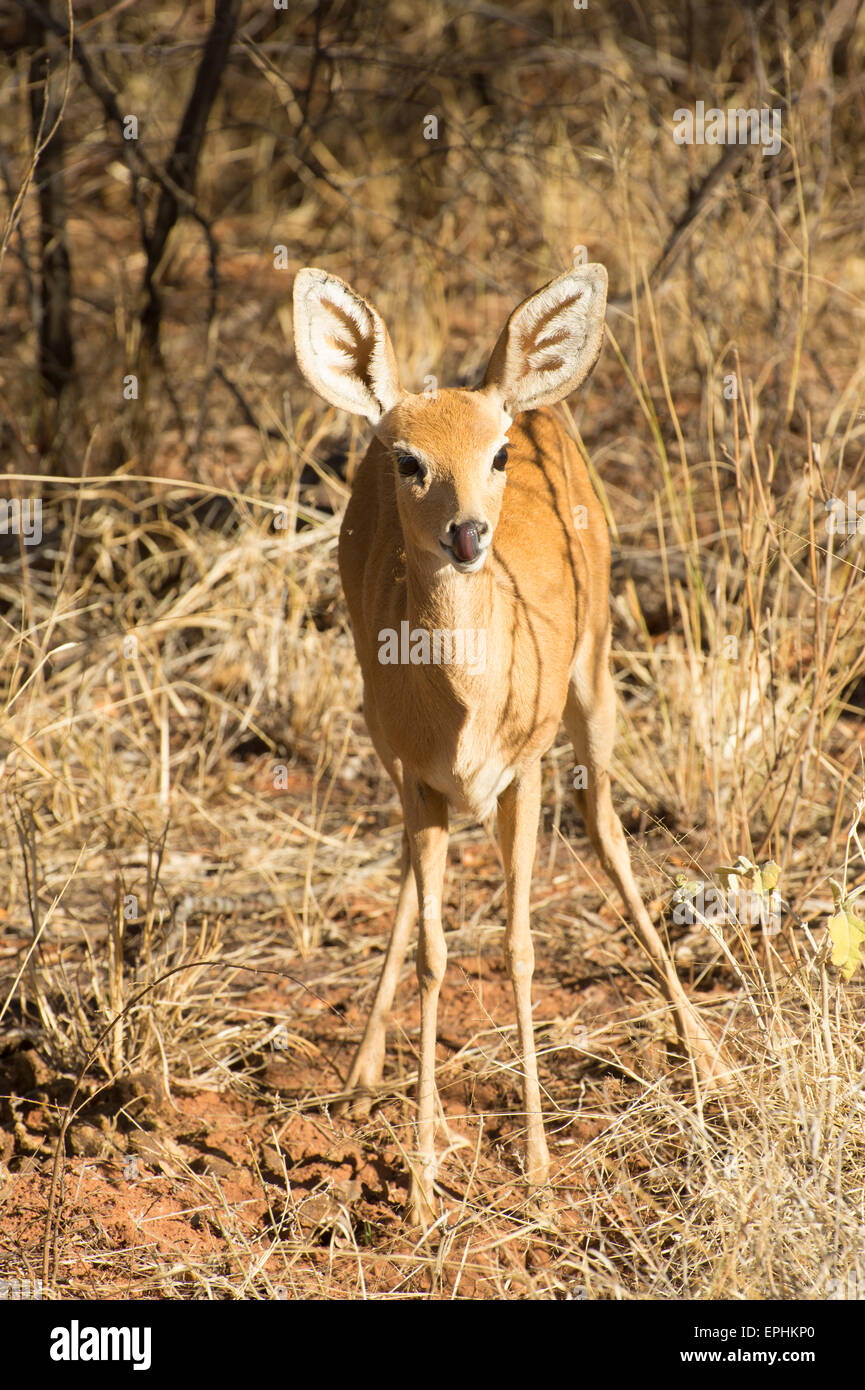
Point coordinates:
[[550, 342], [342, 346]]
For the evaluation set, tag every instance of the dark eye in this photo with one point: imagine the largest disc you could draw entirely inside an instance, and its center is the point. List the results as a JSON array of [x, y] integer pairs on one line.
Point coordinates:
[[501, 459], [408, 465]]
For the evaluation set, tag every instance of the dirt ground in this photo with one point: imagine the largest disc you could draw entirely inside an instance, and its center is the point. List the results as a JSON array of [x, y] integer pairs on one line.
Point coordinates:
[[200, 848], [251, 1186]]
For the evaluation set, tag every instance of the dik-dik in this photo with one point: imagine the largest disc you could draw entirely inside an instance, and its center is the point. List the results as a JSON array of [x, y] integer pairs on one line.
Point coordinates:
[[472, 513]]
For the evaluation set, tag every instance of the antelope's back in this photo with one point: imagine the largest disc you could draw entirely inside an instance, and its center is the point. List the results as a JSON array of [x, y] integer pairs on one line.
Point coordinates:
[[552, 533]]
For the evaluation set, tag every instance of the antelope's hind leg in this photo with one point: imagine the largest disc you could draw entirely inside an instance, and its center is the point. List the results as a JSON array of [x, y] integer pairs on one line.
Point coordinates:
[[590, 719]]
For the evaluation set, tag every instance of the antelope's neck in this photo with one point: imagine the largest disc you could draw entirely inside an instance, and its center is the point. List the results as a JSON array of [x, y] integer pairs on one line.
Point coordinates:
[[462, 615]]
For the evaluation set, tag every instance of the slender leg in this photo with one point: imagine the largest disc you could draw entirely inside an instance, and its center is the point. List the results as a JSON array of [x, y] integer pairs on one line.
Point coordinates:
[[590, 719], [426, 818], [368, 1065], [519, 809]]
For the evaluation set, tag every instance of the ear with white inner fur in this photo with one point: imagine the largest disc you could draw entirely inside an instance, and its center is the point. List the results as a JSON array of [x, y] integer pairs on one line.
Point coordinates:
[[342, 346], [550, 342]]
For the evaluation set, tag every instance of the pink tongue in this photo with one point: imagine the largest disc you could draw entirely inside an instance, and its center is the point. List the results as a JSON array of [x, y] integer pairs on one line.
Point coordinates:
[[466, 542]]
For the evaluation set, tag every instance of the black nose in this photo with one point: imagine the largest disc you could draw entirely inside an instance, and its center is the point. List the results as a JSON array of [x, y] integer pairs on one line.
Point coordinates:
[[466, 543]]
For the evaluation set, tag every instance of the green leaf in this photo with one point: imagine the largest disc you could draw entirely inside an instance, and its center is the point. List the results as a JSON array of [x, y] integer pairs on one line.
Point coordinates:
[[760, 880], [848, 937], [770, 873], [686, 887]]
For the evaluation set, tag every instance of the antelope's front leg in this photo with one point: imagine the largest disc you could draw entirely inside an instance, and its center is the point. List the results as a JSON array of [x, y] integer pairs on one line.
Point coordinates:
[[519, 810], [426, 820], [366, 1069]]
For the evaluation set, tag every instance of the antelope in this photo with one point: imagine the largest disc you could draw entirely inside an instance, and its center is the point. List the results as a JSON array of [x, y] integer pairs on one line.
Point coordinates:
[[472, 511]]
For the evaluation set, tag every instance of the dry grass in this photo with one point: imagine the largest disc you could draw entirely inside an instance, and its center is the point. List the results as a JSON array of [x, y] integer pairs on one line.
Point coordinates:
[[188, 782]]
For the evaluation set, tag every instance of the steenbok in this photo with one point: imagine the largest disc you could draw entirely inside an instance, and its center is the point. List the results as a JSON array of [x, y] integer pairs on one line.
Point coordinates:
[[473, 526]]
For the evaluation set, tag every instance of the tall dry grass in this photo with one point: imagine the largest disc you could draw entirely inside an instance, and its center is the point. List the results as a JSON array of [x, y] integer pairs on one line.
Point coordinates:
[[176, 652]]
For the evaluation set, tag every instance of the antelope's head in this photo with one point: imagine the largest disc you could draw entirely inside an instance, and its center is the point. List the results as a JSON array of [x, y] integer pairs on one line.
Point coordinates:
[[449, 448]]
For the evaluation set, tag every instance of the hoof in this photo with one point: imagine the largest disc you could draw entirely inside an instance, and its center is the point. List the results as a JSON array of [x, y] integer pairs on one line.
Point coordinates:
[[713, 1067], [354, 1107], [421, 1208]]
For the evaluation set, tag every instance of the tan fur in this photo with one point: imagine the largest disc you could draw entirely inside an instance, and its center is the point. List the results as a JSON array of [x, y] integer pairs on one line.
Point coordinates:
[[467, 734], [535, 585]]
